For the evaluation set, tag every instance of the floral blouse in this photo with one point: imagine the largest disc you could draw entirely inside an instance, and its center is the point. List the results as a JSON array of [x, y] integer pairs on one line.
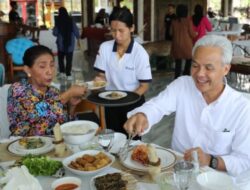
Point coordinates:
[[32, 112]]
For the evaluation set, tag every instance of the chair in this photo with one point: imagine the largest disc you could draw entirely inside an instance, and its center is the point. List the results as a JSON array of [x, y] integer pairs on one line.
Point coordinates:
[[16, 48], [2, 74], [89, 111], [4, 121]]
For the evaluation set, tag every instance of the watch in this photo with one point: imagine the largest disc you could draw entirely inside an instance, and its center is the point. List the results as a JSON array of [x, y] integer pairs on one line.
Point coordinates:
[[213, 162]]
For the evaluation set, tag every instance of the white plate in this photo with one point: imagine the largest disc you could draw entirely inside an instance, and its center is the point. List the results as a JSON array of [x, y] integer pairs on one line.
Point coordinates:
[[92, 86], [132, 182], [119, 141], [15, 147], [167, 160], [73, 157], [105, 95]]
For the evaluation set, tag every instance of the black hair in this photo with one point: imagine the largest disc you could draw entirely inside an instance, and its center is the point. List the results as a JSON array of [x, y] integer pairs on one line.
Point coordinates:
[[181, 11], [64, 23], [198, 14], [171, 5], [123, 15], [13, 4], [32, 53]]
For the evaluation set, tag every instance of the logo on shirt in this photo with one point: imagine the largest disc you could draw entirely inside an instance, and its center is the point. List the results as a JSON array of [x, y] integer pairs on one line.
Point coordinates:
[[130, 68]]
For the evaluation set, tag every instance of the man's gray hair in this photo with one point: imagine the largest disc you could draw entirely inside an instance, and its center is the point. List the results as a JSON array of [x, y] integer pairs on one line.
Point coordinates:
[[216, 41]]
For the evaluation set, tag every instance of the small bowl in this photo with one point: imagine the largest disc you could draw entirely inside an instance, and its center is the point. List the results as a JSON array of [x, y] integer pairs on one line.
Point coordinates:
[[78, 126], [66, 180], [213, 180]]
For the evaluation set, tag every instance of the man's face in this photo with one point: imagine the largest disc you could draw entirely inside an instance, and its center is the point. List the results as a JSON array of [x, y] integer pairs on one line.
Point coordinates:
[[208, 71]]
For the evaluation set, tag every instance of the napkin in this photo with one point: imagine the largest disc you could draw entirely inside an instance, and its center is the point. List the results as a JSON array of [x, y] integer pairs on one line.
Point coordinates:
[[19, 178]]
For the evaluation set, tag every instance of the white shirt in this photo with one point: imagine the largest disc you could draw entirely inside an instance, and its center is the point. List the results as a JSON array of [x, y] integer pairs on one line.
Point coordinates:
[[127, 72], [221, 128]]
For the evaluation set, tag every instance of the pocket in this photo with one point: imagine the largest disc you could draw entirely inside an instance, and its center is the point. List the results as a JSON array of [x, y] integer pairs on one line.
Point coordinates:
[[221, 142]]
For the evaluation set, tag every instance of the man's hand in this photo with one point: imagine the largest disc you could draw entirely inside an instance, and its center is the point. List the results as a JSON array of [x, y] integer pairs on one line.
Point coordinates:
[[136, 124], [204, 159]]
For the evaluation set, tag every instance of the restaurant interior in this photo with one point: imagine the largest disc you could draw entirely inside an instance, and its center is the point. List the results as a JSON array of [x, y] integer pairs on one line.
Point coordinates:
[[232, 19]]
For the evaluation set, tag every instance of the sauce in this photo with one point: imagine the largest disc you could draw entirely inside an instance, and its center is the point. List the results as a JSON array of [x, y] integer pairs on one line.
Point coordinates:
[[66, 186]]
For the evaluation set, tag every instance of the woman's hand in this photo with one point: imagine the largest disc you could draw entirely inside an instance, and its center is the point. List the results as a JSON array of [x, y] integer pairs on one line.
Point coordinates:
[[75, 91]]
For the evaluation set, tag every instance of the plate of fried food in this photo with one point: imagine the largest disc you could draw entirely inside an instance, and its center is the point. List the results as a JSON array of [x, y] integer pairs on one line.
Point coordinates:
[[142, 157], [113, 181], [35, 145], [112, 95], [95, 85], [88, 162]]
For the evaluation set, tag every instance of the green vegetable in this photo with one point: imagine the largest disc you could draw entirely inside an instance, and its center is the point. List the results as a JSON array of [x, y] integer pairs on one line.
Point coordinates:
[[41, 165]]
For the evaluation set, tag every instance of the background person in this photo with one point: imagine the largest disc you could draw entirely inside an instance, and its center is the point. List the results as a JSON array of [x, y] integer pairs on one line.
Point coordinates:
[[210, 116], [182, 40], [66, 31], [13, 14], [201, 24], [34, 107], [168, 20], [124, 64]]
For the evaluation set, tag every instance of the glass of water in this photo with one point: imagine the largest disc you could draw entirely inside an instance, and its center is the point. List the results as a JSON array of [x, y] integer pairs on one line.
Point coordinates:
[[183, 174], [106, 138]]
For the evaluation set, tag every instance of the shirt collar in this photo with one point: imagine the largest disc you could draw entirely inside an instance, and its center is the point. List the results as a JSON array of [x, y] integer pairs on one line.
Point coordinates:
[[130, 47]]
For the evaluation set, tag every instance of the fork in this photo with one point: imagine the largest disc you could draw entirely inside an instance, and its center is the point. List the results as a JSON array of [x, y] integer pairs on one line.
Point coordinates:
[[123, 153]]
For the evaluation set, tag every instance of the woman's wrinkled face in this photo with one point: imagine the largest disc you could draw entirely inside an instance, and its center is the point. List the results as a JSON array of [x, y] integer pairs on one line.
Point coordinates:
[[121, 32], [42, 71]]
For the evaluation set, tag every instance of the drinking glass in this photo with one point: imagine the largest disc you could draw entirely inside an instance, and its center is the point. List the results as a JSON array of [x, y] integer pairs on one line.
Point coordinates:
[[106, 138], [166, 180], [183, 174], [78, 77]]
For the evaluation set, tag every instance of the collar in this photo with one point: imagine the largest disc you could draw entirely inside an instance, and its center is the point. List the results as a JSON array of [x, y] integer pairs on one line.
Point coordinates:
[[130, 47]]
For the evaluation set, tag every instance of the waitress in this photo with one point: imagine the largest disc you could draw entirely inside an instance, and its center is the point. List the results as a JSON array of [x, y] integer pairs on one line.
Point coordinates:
[[124, 64]]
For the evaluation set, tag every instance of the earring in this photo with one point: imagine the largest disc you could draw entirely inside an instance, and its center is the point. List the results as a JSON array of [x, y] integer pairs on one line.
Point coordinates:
[[29, 75]]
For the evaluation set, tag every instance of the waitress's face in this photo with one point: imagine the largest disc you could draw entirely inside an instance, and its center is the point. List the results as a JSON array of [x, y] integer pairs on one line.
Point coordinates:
[[121, 32], [42, 71]]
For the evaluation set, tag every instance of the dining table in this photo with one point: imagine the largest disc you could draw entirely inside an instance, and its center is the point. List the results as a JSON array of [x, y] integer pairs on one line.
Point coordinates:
[[144, 180], [243, 45]]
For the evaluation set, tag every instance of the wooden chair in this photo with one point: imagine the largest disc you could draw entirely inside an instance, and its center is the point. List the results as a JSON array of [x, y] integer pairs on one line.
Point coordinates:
[[86, 107], [15, 49]]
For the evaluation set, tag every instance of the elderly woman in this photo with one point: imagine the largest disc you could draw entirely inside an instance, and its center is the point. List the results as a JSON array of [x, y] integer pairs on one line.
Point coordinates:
[[34, 107]]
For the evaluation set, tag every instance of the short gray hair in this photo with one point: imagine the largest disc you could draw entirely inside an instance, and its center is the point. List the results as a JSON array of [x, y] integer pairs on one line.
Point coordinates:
[[216, 41]]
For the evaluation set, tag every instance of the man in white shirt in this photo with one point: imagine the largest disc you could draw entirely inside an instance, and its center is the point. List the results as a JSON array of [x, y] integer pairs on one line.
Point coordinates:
[[211, 117]]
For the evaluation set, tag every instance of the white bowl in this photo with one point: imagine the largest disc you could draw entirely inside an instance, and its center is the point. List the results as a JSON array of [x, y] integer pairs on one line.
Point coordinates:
[[66, 180], [76, 127], [213, 180], [73, 157]]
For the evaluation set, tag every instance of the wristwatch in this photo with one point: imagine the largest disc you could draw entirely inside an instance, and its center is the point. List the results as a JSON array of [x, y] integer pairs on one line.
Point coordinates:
[[213, 162]]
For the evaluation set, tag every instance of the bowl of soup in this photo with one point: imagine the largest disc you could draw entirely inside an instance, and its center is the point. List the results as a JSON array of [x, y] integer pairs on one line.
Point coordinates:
[[78, 132], [67, 183]]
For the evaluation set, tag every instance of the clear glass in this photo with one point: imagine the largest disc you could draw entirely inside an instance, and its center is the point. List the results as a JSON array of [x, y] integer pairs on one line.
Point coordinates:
[[183, 174], [78, 77], [166, 180], [106, 138]]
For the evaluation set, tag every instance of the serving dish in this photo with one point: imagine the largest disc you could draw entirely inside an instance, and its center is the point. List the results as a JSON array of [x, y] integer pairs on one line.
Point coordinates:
[[112, 95], [167, 160], [73, 157], [78, 132], [95, 85], [131, 181], [15, 147]]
